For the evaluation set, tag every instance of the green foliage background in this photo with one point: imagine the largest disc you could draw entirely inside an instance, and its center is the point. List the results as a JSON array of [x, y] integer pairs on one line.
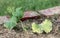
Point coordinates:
[[26, 5]]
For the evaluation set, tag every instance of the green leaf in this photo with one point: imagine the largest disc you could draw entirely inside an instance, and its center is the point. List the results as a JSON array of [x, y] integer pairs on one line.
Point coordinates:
[[10, 24], [10, 9], [14, 19], [46, 25], [18, 13], [36, 28]]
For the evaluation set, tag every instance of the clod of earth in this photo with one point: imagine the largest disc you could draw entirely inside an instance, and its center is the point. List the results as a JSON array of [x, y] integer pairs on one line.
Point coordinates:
[[46, 12], [50, 11], [30, 14]]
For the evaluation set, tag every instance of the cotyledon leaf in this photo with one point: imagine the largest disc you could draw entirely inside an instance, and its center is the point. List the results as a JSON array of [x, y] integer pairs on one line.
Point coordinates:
[[36, 28], [46, 25]]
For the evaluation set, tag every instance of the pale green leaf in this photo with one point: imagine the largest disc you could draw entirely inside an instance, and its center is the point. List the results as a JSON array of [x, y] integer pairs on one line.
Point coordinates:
[[10, 9], [36, 28], [46, 25]]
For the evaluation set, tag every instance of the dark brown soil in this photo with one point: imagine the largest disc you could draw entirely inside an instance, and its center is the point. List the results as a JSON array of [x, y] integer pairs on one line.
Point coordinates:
[[18, 32]]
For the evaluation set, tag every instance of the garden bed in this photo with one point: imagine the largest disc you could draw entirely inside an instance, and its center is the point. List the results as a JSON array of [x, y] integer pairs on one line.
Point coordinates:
[[18, 32]]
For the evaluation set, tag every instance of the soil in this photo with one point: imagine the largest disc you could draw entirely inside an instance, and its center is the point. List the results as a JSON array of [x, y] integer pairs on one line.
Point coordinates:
[[18, 32]]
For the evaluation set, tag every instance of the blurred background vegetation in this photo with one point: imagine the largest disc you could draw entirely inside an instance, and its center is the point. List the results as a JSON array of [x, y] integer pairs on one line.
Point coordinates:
[[7, 6]]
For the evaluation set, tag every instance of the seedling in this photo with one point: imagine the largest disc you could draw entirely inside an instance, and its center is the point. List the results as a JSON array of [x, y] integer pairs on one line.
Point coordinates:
[[44, 26], [18, 14], [36, 28]]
